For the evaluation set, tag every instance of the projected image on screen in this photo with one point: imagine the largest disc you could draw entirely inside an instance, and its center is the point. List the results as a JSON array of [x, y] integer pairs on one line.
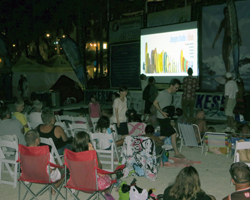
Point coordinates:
[[170, 51]]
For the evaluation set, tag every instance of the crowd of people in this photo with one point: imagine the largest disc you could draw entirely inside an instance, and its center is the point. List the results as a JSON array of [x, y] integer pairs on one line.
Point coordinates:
[[156, 114]]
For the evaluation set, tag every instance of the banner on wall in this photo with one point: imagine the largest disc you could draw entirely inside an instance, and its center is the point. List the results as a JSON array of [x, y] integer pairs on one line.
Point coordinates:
[[217, 51], [165, 17], [212, 104], [125, 30]]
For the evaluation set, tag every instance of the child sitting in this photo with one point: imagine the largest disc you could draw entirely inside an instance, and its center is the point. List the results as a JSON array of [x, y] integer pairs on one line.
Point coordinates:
[[33, 140], [102, 126]]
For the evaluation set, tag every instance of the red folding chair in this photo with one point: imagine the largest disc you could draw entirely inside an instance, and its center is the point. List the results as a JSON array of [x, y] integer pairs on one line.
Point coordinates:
[[34, 164], [83, 168]]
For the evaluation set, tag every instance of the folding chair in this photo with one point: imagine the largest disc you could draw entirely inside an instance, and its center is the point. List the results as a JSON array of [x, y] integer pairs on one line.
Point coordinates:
[[65, 118], [105, 156], [114, 131], [83, 167], [64, 127], [33, 125], [136, 128], [75, 128], [8, 152], [216, 140], [8, 160], [94, 122], [35, 164], [188, 137], [240, 146], [54, 152]]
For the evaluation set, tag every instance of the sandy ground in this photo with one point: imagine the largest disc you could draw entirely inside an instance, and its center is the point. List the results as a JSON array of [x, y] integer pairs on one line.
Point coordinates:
[[213, 171]]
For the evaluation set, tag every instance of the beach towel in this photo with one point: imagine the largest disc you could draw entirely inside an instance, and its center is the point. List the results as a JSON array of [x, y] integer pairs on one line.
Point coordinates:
[[179, 162]]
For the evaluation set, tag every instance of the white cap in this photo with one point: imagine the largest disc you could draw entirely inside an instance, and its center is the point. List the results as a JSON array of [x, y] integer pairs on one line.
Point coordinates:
[[228, 75]]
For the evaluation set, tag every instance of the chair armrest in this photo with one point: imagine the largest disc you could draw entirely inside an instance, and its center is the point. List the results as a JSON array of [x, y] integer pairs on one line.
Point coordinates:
[[54, 165], [101, 171]]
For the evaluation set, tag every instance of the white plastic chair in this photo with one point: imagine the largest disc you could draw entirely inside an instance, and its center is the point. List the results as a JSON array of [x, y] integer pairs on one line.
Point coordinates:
[[136, 128], [54, 152], [188, 137], [65, 118], [64, 127], [240, 146], [105, 156], [7, 152], [81, 120], [7, 161], [33, 125], [94, 122], [75, 128]]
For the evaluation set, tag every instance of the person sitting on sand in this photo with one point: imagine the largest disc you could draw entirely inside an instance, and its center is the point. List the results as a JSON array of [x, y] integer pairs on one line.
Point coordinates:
[[199, 120], [186, 187]]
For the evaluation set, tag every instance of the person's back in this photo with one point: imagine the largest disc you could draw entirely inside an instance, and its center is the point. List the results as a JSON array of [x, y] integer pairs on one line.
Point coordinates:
[[10, 126], [186, 186], [35, 116]]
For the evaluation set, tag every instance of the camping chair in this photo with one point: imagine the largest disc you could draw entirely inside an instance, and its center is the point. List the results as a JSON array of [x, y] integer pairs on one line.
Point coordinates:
[[188, 137], [139, 156], [54, 152], [34, 164], [105, 156], [83, 167], [136, 128], [75, 128], [216, 140], [9, 160]]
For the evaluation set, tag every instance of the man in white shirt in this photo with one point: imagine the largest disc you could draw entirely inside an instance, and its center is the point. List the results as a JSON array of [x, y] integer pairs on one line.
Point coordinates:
[[231, 90]]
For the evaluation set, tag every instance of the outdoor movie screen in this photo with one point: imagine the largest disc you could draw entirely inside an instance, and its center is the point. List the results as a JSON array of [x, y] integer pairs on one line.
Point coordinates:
[[168, 51]]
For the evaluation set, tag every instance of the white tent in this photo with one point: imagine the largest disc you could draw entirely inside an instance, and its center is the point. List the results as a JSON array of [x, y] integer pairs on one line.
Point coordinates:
[[41, 77]]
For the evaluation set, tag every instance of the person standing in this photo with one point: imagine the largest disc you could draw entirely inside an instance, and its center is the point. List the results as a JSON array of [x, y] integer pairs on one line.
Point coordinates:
[[152, 94], [119, 111], [231, 90], [143, 79], [162, 100], [190, 85]]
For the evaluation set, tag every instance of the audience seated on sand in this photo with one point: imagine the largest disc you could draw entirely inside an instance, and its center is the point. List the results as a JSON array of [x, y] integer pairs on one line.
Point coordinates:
[[149, 132], [199, 120], [240, 176], [81, 143], [152, 119], [36, 112], [10, 126], [102, 126], [186, 186], [33, 140], [49, 130], [19, 106], [241, 126], [180, 119]]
